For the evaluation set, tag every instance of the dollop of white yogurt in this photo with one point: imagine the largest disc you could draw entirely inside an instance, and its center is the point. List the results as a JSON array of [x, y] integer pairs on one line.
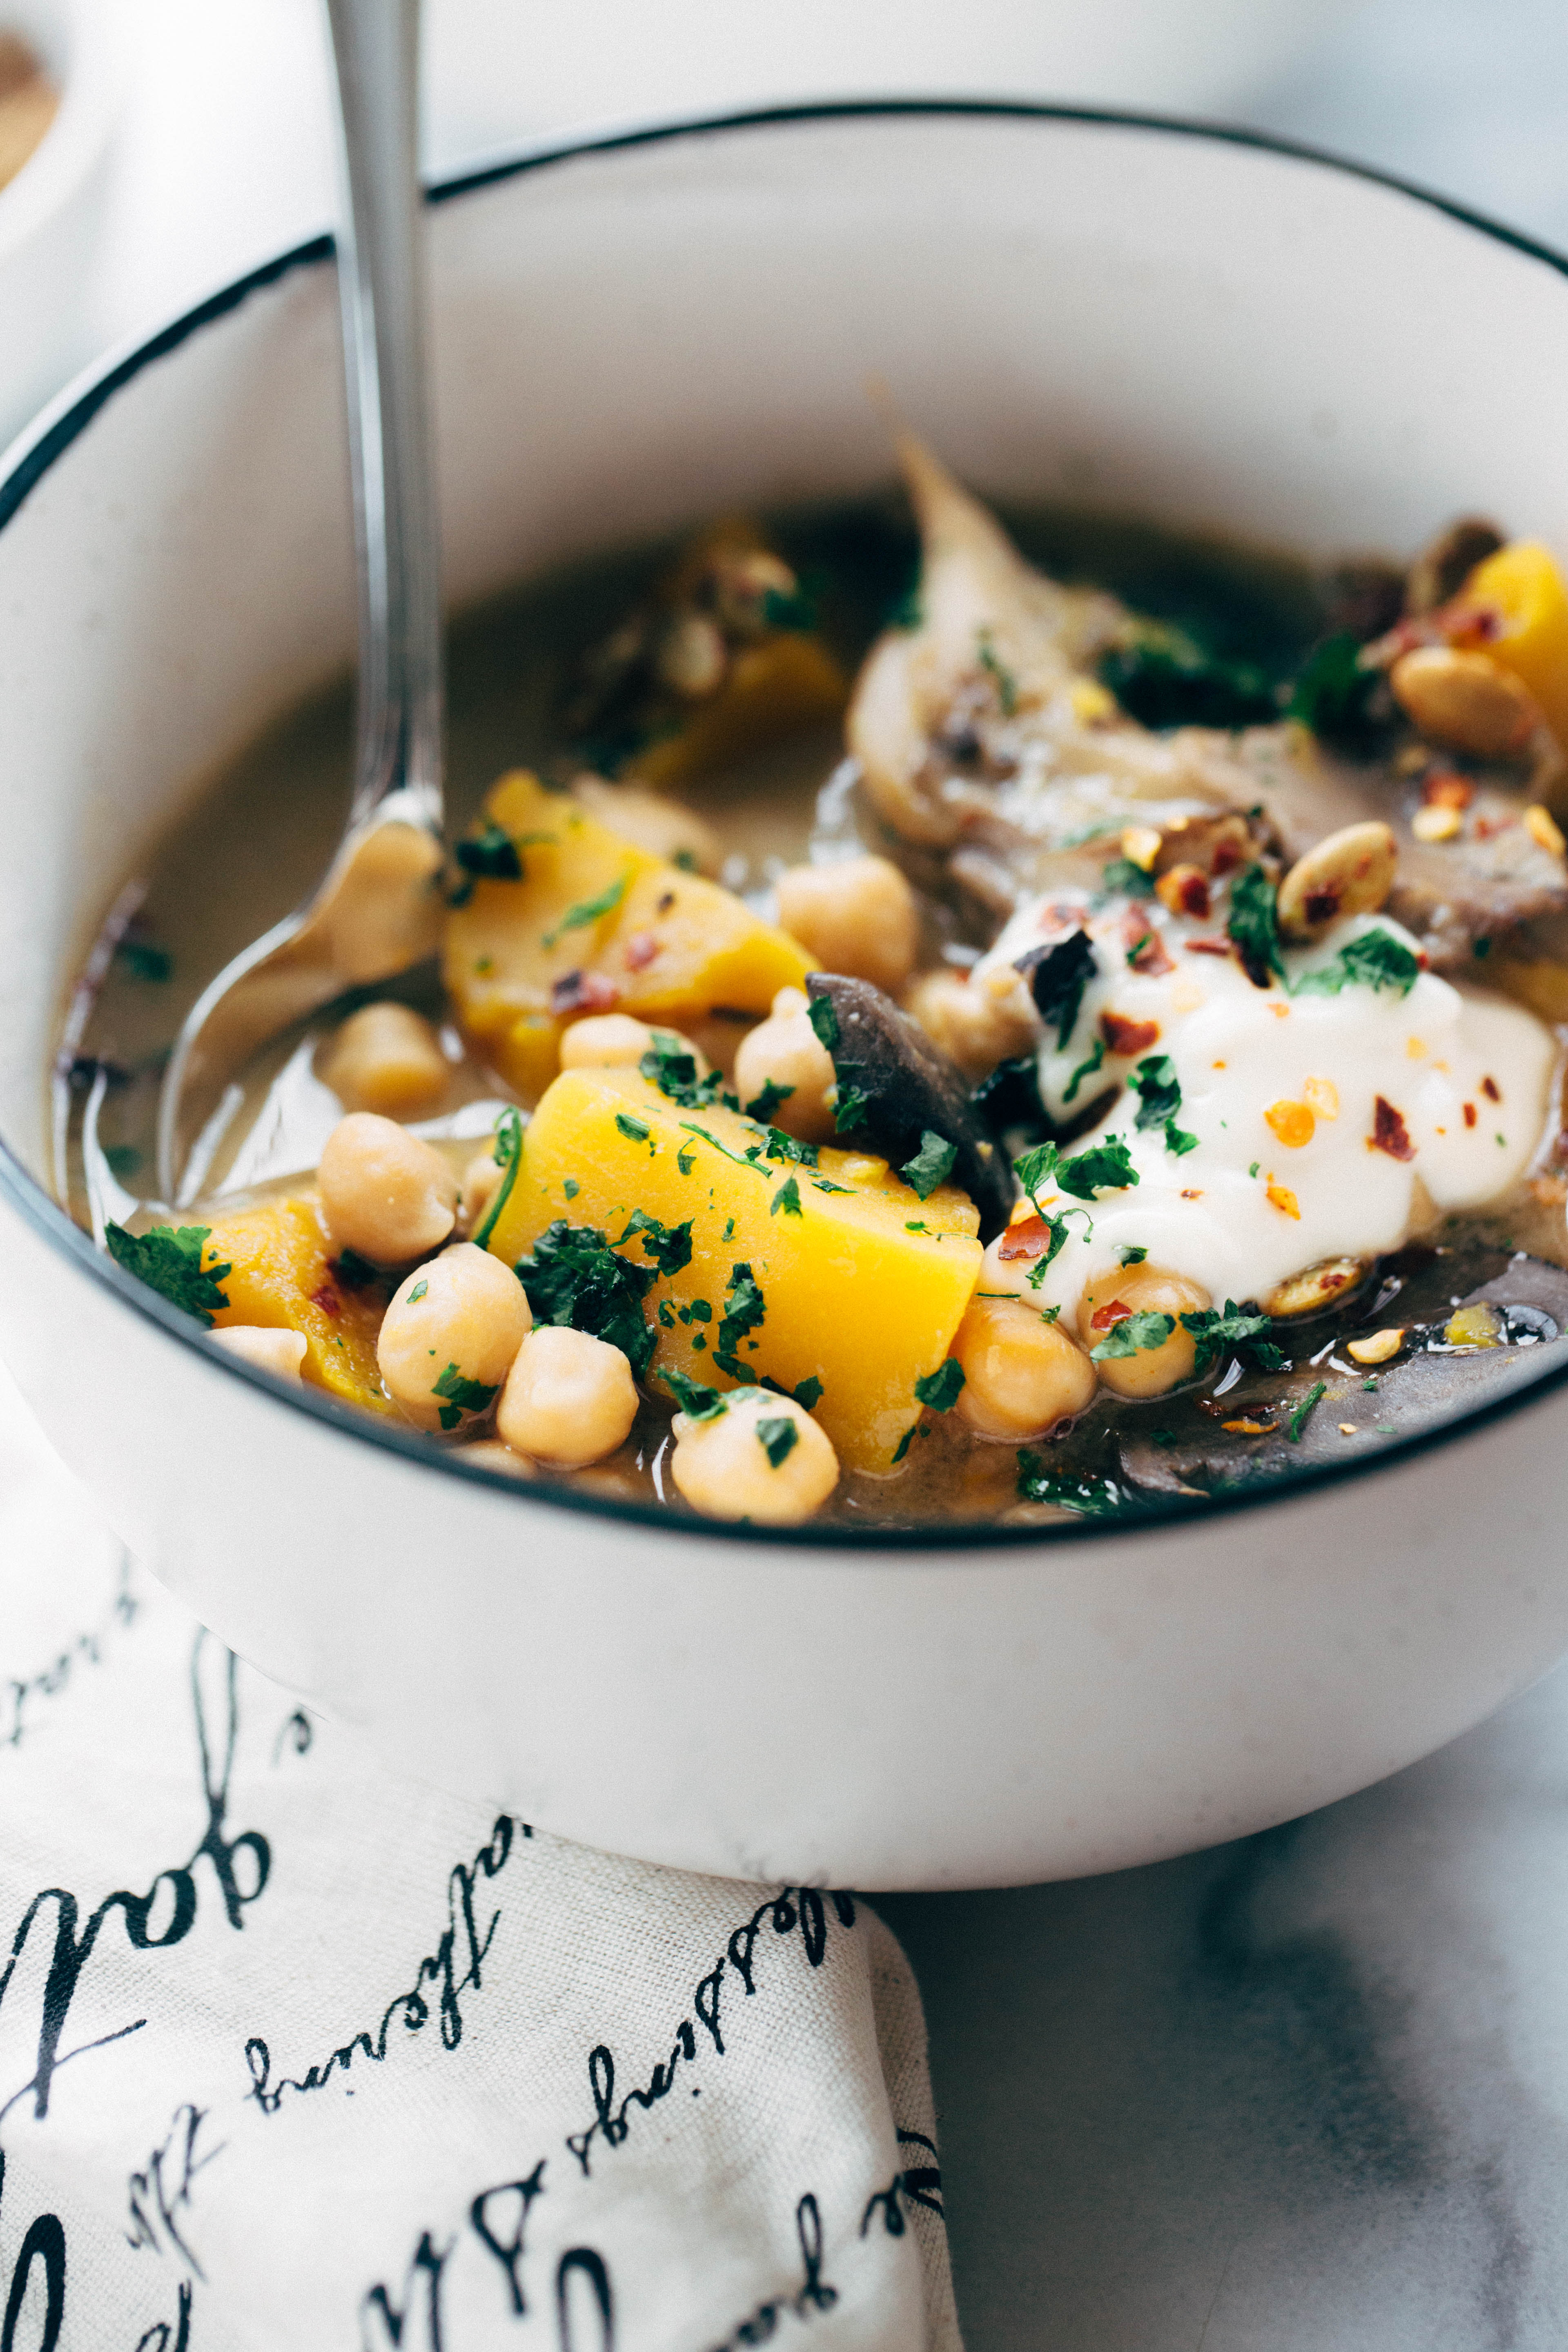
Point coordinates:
[[1324, 1125]]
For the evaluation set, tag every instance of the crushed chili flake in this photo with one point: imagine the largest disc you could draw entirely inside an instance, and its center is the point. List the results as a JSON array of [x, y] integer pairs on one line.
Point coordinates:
[[1127, 1037], [1469, 1114], [1447, 791], [1115, 1310], [1489, 1089], [1250, 1428], [1207, 947], [1322, 906], [1029, 1237], [1146, 949], [640, 951], [1196, 1195], [327, 1299], [1389, 1133], [584, 991]]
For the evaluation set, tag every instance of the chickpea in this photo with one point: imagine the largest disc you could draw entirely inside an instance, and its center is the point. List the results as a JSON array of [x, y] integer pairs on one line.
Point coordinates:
[[490, 1454], [460, 1319], [613, 1041], [385, 1058], [743, 1464], [1143, 1290], [272, 1350], [569, 1398], [976, 1022], [857, 918], [1021, 1375], [1466, 700], [785, 1051], [384, 1193]]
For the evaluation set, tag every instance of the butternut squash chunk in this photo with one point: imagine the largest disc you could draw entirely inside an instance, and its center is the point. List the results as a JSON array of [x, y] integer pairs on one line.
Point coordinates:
[[860, 1284], [282, 1277]]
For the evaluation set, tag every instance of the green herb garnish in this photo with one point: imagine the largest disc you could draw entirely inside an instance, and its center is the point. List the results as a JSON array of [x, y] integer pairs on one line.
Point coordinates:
[[1105, 1168], [671, 1066], [696, 1402], [574, 1277], [142, 960], [787, 1198], [1058, 979], [1086, 1070], [506, 1153], [1001, 677], [670, 1246], [905, 1442], [462, 1394], [1332, 693], [589, 911], [1132, 1334], [824, 1020], [932, 1165], [1253, 929], [940, 1389], [763, 1106], [1120, 875], [1216, 1329], [777, 1436], [635, 1130], [1094, 1498], [745, 1310], [1132, 1256], [785, 1148], [416, 1293], [1305, 1409], [848, 1103], [169, 1261], [1376, 960], [491, 855]]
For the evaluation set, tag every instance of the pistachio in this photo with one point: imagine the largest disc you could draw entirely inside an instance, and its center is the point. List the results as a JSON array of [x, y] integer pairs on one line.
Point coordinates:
[[1437, 823], [1347, 873], [1315, 1288], [1377, 1346], [1141, 845], [1465, 700], [1545, 830]]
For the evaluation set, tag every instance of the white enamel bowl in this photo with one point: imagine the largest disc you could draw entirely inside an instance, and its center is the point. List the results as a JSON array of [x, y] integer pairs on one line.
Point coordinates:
[[629, 337]]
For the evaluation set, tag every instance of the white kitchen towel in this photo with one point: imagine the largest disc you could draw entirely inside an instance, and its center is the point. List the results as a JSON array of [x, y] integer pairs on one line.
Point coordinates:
[[295, 2055]]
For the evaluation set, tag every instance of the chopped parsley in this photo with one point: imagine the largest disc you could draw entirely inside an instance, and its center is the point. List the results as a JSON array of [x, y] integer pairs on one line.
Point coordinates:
[[1001, 677], [415, 1295], [824, 1184], [572, 1188], [491, 855], [1086, 1070], [589, 911], [169, 1261], [1058, 979], [670, 1246], [1333, 692], [1121, 876], [1010, 1097], [824, 1020], [462, 1395], [1216, 1329], [848, 1103], [690, 1127], [729, 1233], [506, 1153], [777, 1436], [940, 1389], [1036, 1167], [1132, 1334], [932, 1165], [1163, 677], [1132, 1256], [671, 1066], [1105, 1168], [696, 1402], [1305, 1409], [1253, 929], [745, 1310], [685, 1157], [916, 1225], [1377, 959], [787, 1198], [808, 1393], [1096, 1499], [785, 1147], [763, 1106], [635, 1130], [905, 1442], [574, 1277], [1158, 1088]]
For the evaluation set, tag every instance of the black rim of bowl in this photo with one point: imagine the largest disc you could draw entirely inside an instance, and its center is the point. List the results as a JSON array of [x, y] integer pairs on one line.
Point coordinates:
[[50, 439]]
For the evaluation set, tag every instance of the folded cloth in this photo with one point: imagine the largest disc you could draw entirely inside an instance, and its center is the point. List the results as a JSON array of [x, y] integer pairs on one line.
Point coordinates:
[[295, 2054]]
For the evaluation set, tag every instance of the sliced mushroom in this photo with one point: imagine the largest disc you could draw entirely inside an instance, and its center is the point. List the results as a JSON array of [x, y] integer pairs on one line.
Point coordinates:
[[912, 1090]]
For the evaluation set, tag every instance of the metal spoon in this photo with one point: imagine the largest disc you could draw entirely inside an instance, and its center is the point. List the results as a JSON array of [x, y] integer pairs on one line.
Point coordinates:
[[378, 909]]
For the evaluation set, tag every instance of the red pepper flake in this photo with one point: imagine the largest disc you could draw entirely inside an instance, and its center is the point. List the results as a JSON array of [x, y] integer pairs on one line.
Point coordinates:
[[1489, 1089], [1115, 1310], [1029, 1238], [1389, 1133], [1124, 1037], [641, 950], [1250, 1428], [1322, 906], [1447, 791], [1207, 947], [327, 1299], [1469, 1114], [1146, 949], [1194, 1196], [1226, 853], [584, 991]]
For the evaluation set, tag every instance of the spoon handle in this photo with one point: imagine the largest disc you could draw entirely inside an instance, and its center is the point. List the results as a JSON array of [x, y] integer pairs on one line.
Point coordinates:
[[375, 44]]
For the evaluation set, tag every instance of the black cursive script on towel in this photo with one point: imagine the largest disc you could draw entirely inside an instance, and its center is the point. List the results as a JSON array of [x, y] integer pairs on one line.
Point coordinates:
[[815, 2294], [170, 1901], [794, 1910], [158, 2195], [18, 1694], [42, 2253], [457, 1965]]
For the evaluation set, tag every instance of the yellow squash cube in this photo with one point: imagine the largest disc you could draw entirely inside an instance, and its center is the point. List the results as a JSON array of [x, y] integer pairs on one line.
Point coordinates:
[[282, 1277], [772, 689], [1522, 584], [671, 945], [863, 1284]]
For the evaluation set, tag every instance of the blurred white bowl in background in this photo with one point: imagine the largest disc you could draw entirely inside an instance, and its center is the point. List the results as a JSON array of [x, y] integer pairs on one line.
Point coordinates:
[[494, 68], [52, 213]]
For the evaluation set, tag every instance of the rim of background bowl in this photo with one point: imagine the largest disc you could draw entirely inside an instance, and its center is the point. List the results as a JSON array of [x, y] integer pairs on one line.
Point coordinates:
[[58, 425]]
